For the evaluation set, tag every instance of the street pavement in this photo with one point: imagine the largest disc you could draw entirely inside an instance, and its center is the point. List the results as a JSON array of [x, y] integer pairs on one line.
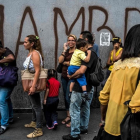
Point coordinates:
[[17, 131]]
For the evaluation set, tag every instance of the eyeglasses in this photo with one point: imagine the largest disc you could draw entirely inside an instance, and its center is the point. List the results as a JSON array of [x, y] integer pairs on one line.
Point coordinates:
[[71, 40]]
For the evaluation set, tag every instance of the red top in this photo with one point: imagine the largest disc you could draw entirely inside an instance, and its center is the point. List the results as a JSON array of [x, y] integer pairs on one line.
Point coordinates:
[[53, 86]]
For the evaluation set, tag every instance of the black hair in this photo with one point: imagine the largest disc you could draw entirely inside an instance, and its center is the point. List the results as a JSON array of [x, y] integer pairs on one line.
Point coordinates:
[[89, 36], [132, 43], [52, 73], [81, 43]]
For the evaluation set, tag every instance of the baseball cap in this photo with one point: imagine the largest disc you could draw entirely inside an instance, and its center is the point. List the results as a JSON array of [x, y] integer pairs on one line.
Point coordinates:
[[116, 40]]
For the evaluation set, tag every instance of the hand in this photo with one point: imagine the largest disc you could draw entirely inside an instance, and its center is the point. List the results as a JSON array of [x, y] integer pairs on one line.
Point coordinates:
[[65, 46], [102, 123], [44, 102], [88, 51], [32, 91], [69, 76]]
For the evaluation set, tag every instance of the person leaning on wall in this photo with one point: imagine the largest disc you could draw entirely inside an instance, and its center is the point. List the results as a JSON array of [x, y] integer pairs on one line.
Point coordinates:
[[114, 56], [64, 58], [6, 110], [121, 87], [32, 44]]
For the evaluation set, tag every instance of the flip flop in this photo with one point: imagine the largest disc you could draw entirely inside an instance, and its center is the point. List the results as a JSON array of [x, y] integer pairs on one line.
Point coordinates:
[[66, 121]]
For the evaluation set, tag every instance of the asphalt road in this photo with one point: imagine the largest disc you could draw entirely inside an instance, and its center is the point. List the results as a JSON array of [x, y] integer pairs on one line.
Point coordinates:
[[17, 131]]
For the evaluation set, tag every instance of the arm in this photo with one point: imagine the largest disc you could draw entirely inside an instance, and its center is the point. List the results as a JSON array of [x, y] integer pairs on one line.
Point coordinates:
[[67, 63], [46, 95], [109, 63], [80, 71], [134, 104], [104, 98], [116, 58], [62, 56], [103, 109], [7, 59], [88, 56], [36, 62]]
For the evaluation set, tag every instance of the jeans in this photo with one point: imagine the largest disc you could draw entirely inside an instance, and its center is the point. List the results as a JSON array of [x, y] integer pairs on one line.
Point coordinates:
[[6, 109], [37, 115], [66, 85], [79, 112], [50, 110]]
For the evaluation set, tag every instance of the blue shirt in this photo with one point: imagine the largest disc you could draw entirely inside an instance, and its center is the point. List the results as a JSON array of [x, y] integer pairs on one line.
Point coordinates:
[[95, 47]]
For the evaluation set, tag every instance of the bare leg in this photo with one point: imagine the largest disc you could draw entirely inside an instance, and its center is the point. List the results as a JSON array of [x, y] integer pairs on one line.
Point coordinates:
[[71, 86]]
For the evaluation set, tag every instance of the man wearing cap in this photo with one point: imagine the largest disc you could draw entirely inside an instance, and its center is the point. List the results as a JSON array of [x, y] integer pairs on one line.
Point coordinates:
[[114, 56]]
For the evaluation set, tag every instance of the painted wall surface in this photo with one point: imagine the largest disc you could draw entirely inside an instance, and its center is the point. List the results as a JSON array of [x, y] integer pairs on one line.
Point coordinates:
[[53, 20]]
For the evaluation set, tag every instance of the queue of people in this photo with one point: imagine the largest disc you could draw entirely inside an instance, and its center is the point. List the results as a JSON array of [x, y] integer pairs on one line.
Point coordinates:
[[79, 61]]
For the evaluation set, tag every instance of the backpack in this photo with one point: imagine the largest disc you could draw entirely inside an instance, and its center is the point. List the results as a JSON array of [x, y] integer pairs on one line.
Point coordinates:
[[98, 75]]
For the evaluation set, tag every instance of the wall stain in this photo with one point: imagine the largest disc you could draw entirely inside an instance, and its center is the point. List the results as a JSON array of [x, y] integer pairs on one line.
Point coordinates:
[[127, 10], [1, 23], [27, 10], [68, 31]]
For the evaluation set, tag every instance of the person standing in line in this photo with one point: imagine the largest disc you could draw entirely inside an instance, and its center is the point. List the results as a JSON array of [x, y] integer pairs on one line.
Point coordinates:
[[79, 108], [114, 56], [51, 100], [65, 59], [6, 110], [121, 87], [95, 46], [34, 61]]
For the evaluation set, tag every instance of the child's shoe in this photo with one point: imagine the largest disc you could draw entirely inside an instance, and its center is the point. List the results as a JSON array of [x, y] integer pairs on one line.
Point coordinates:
[[55, 124], [52, 127]]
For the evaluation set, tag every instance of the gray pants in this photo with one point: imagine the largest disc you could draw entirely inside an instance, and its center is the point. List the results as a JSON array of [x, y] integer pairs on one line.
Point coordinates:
[[37, 115]]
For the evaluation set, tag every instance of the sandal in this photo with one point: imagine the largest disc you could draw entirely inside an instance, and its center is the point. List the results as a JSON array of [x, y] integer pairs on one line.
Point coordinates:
[[65, 121], [68, 124]]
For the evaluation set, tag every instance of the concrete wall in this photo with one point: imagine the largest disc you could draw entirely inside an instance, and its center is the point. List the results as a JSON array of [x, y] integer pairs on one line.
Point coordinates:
[[53, 20]]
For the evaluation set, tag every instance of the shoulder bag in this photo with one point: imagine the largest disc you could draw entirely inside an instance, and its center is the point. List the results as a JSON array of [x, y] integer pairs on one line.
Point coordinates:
[[27, 78], [8, 76]]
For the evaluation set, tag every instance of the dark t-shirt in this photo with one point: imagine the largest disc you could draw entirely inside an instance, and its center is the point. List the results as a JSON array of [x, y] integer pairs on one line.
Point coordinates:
[[90, 68], [8, 52]]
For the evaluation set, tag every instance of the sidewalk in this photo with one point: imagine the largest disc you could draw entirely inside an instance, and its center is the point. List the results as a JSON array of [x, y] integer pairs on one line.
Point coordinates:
[[17, 131]]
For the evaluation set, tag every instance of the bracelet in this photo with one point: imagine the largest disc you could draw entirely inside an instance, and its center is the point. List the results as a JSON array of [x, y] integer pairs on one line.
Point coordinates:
[[62, 54]]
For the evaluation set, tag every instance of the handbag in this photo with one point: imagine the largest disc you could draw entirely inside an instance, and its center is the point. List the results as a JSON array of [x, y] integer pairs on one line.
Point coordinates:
[[59, 68], [130, 125], [27, 78], [8, 76]]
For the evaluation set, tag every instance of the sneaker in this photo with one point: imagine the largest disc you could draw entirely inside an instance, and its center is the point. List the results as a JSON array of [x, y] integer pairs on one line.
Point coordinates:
[[2, 130], [55, 124], [32, 124], [84, 131], [52, 127], [69, 137], [36, 133]]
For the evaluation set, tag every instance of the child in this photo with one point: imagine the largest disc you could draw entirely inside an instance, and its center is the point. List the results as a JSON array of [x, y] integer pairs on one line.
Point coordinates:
[[75, 63], [51, 100]]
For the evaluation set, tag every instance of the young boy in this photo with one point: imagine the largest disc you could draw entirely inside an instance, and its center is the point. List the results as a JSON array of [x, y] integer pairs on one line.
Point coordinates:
[[75, 63]]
